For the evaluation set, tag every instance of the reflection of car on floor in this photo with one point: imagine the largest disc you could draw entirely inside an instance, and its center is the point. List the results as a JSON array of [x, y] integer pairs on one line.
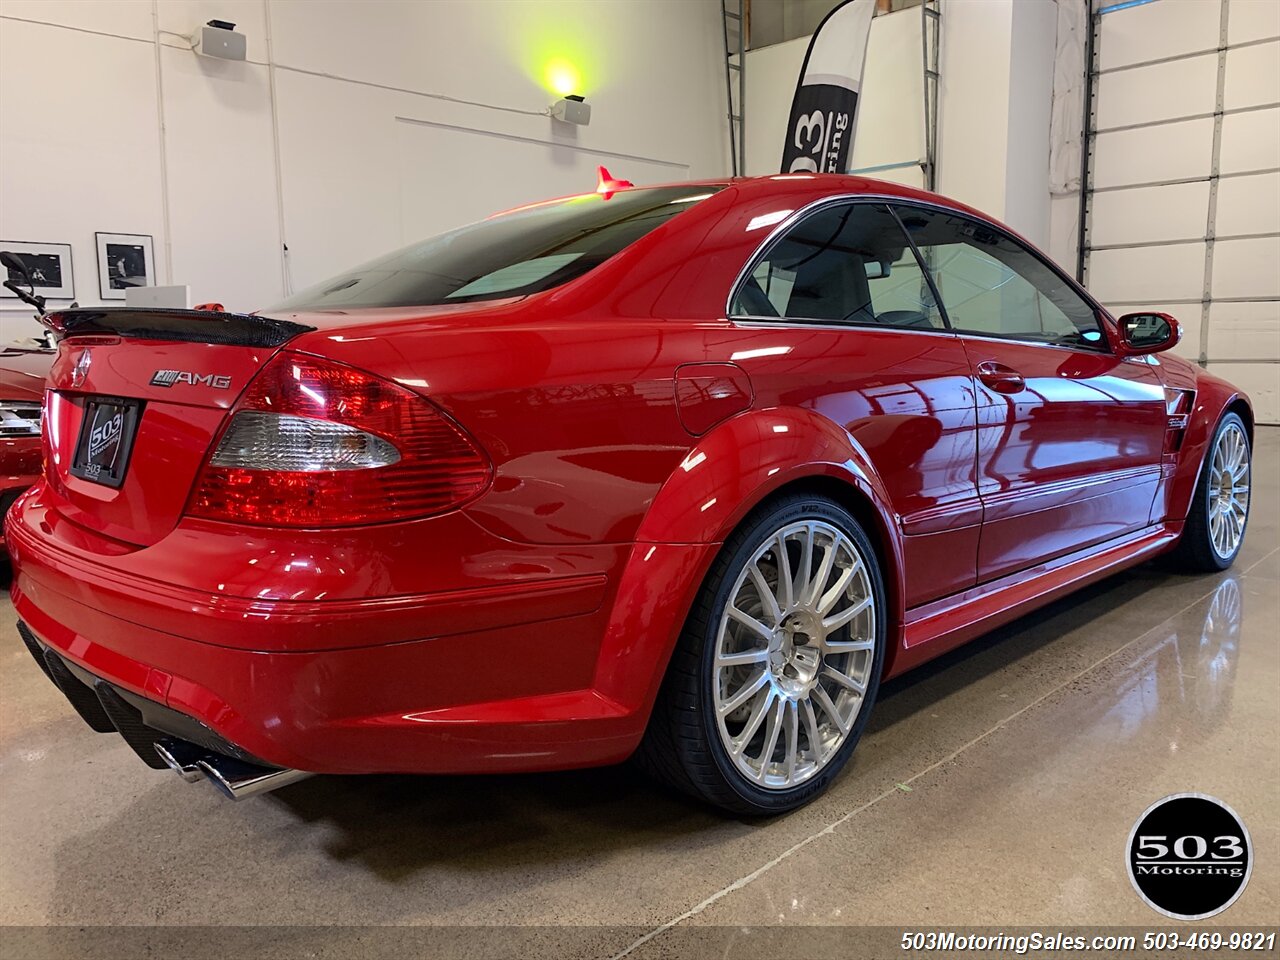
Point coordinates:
[[682, 470], [22, 373], [1179, 691]]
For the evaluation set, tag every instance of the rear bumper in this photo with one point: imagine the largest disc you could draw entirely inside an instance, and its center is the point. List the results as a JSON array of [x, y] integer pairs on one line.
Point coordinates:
[[106, 708], [410, 691]]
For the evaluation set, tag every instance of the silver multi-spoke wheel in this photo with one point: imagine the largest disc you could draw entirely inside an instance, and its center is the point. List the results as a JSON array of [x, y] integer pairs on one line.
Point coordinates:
[[773, 679], [1228, 490], [794, 653]]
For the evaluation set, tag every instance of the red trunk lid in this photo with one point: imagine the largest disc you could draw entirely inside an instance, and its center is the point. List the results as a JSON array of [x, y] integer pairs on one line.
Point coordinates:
[[180, 372], [180, 390]]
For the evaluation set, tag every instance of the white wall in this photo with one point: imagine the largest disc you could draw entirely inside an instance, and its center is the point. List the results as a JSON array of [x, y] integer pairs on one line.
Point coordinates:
[[1034, 31], [973, 126], [771, 83], [995, 102], [344, 135]]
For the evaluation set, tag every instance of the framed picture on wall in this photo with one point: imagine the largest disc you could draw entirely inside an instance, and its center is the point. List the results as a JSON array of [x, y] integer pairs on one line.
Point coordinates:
[[124, 260], [49, 265]]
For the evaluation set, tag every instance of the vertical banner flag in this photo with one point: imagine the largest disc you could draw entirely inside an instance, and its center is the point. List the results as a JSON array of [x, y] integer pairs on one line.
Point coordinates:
[[825, 109]]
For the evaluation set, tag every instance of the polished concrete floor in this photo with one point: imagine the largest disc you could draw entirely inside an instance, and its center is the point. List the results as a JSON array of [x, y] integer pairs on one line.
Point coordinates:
[[996, 786]]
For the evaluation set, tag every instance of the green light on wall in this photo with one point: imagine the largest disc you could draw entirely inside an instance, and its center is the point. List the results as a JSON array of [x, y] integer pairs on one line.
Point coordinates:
[[560, 45], [562, 77]]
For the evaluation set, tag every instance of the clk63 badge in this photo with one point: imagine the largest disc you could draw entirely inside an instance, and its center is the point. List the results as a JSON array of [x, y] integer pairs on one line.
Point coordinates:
[[167, 378]]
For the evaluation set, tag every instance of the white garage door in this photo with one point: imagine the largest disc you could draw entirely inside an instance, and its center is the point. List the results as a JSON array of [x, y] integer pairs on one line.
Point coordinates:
[[1184, 205]]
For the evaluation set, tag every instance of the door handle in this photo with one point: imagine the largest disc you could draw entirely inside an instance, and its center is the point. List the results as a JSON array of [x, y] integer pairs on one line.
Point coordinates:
[[1000, 378]]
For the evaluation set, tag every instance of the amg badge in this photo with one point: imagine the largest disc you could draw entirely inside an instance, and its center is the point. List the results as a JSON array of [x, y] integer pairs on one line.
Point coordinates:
[[167, 378]]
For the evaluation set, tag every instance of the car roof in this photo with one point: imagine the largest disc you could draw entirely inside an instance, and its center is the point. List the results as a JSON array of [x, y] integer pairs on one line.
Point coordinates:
[[831, 184], [780, 184], [805, 188]]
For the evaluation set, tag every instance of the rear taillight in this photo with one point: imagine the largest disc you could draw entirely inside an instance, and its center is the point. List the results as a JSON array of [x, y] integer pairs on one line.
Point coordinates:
[[313, 443]]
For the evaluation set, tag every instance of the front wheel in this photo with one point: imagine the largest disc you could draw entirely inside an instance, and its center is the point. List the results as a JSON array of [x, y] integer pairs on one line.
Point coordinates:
[[774, 676], [1214, 531]]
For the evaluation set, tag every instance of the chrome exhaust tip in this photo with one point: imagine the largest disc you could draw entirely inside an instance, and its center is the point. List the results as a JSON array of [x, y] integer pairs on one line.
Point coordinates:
[[182, 758], [233, 778], [237, 780]]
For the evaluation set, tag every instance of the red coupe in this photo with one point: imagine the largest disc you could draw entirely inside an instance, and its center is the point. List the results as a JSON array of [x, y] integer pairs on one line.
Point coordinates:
[[682, 472]]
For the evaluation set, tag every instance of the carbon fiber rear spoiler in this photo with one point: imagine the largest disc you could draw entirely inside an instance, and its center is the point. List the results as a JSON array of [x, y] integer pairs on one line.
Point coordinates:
[[162, 323]]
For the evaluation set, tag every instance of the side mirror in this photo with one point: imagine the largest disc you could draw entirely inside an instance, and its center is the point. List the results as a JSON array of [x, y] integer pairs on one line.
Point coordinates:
[[1143, 333]]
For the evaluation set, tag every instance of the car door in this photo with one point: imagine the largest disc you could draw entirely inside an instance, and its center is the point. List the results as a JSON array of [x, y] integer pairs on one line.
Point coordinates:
[[850, 329], [1069, 434]]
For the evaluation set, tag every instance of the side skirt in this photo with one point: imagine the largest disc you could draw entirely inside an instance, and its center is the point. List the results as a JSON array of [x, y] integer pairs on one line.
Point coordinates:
[[934, 628]]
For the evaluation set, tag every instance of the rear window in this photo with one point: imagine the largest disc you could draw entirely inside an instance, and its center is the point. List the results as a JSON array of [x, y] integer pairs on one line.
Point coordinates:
[[510, 255]]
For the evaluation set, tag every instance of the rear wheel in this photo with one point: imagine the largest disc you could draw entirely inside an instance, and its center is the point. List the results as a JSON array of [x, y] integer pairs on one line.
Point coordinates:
[[1214, 531], [773, 678]]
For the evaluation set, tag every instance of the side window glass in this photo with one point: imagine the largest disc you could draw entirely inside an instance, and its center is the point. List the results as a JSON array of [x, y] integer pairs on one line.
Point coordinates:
[[844, 264], [992, 285], [775, 281]]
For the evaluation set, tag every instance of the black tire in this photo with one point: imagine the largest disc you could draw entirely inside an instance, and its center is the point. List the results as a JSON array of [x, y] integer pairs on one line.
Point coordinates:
[[1195, 552], [682, 744]]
